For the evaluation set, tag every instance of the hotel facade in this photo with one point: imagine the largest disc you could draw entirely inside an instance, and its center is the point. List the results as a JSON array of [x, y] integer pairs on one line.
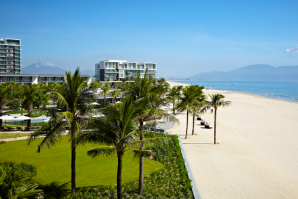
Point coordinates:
[[10, 56], [117, 70]]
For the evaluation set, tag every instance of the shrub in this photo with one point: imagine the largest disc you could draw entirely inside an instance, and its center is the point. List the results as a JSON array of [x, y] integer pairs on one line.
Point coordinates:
[[2, 142], [16, 180]]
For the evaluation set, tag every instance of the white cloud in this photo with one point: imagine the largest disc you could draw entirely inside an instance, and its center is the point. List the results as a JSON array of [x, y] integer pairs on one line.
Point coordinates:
[[45, 63], [290, 51]]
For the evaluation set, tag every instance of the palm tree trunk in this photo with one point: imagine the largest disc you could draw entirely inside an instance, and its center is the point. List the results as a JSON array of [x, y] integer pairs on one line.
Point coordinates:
[[104, 100], [215, 126], [73, 166], [174, 107], [141, 168], [30, 107], [186, 124], [119, 177], [193, 124]]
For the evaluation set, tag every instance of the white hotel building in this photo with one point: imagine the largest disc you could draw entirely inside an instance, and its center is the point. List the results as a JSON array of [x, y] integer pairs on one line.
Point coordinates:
[[116, 70]]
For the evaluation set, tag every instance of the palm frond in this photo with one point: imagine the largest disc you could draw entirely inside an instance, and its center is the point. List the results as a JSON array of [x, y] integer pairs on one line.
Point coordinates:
[[102, 151], [141, 153]]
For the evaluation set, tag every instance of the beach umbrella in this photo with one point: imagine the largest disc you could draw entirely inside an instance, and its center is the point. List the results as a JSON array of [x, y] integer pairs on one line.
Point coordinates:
[[94, 103], [6, 117], [22, 118]]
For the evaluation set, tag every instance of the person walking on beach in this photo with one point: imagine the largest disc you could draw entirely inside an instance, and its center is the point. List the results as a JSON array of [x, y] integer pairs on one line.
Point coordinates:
[[211, 110]]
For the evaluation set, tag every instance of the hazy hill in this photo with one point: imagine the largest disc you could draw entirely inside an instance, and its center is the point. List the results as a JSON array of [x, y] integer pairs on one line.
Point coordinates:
[[253, 72], [41, 69], [88, 72]]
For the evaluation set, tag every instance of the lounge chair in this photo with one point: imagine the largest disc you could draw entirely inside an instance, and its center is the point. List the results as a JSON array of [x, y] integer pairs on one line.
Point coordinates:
[[199, 117], [202, 122], [207, 126]]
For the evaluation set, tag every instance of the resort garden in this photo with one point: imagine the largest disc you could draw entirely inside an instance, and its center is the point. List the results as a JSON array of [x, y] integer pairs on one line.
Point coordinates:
[[74, 155]]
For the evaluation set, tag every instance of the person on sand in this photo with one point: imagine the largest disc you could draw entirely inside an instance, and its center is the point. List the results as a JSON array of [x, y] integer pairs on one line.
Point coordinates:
[[212, 110]]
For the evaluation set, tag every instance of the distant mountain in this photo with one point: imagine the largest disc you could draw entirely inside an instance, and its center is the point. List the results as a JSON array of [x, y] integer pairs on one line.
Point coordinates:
[[88, 72], [41, 69], [253, 72]]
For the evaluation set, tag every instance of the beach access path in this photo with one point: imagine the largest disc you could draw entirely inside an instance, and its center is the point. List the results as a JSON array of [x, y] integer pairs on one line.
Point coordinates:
[[257, 154]]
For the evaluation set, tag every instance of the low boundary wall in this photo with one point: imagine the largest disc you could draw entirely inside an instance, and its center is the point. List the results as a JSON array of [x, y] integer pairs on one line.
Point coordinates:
[[195, 189]]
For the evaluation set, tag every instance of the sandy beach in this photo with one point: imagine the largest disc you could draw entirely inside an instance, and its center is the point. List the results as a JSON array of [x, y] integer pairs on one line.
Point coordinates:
[[257, 154]]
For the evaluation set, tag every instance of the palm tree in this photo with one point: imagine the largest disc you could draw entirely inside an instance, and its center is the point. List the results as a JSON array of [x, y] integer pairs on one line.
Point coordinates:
[[72, 103], [30, 94], [172, 95], [216, 101], [118, 132], [3, 97], [187, 101], [114, 94], [140, 90], [163, 86], [198, 108], [104, 91], [95, 85]]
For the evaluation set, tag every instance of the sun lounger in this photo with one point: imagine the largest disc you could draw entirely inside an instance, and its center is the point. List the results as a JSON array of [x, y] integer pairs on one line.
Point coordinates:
[[208, 127]]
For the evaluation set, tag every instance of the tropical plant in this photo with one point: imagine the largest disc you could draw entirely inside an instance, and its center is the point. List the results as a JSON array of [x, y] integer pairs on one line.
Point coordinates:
[[114, 94], [3, 97], [198, 108], [156, 111], [188, 101], [172, 95], [140, 90], [16, 181], [163, 86], [216, 101], [72, 103], [30, 94], [95, 85], [117, 131], [104, 91]]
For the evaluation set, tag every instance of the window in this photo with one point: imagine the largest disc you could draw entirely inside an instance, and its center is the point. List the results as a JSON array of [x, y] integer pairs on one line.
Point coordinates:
[[26, 79], [2, 67], [3, 71], [3, 55], [3, 62], [8, 54], [10, 58]]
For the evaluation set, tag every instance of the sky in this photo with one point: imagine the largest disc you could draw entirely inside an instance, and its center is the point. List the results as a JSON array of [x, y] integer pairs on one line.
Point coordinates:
[[184, 38]]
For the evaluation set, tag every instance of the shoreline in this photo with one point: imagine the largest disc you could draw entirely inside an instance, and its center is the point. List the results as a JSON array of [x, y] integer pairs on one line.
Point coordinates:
[[240, 92], [257, 152]]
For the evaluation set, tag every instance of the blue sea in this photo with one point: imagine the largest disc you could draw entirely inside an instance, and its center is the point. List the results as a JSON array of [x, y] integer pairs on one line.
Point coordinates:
[[282, 90]]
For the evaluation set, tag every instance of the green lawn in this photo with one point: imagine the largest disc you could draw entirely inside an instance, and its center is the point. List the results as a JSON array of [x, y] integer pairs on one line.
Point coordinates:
[[53, 164]]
